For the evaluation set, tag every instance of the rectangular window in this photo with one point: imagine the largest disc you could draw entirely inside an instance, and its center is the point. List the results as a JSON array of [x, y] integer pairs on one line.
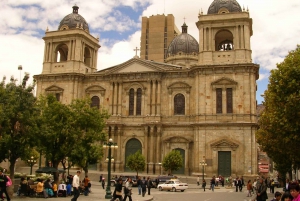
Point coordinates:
[[57, 95], [219, 100], [229, 100]]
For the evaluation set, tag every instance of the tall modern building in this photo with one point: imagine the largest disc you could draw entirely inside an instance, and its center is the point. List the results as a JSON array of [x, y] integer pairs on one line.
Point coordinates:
[[157, 33], [195, 97]]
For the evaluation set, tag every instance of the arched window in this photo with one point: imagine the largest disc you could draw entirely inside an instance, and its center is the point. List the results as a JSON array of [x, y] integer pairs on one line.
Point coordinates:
[[95, 102], [131, 101], [224, 41], [139, 101], [62, 53], [179, 104]]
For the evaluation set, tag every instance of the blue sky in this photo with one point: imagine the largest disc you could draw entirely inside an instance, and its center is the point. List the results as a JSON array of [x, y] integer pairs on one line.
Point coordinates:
[[23, 23]]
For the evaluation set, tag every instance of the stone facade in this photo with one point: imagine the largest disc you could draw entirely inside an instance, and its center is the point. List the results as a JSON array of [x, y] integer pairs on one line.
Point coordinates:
[[206, 111]]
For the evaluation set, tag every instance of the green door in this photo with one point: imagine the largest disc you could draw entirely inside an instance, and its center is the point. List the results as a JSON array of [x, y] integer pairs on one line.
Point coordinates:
[[180, 170], [224, 163], [132, 146]]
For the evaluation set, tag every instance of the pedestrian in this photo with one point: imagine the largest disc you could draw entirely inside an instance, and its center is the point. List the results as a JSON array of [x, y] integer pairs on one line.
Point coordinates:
[[272, 186], [295, 191], [86, 182], [139, 185], [249, 188], [100, 179], [144, 186], [277, 196], [286, 197], [261, 193], [241, 183], [236, 184], [103, 182], [203, 184], [118, 191], [128, 189], [3, 180], [149, 184], [213, 183], [198, 180], [76, 186]]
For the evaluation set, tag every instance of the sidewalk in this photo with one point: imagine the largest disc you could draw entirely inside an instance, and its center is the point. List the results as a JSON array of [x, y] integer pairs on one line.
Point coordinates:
[[97, 194]]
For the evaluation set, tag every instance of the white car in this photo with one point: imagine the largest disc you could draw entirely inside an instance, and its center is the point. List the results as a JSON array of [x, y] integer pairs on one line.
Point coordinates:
[[173, 185]]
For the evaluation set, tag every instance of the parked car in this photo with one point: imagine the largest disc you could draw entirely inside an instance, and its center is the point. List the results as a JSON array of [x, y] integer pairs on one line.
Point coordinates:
[[173, 185], [162, 179], [124, 178]]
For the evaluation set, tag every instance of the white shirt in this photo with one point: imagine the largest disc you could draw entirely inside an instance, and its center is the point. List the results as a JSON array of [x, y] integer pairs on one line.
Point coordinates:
[[62, 187], [75, 183]]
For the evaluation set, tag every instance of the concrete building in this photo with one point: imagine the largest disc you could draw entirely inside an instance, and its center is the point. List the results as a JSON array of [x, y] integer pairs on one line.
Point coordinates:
[[201, 101], [157, 33]]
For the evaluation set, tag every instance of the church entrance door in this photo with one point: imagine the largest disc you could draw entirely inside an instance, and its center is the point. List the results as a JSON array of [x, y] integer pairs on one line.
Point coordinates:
[[180, 170], [132, 146], [224, 163]]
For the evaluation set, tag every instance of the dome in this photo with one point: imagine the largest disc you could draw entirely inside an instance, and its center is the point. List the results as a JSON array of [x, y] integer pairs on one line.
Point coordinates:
[[183, 43], [73, 20], [224, 6]]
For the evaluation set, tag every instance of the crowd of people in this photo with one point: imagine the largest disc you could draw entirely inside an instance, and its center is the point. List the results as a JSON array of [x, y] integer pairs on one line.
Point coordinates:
[[258, 188]]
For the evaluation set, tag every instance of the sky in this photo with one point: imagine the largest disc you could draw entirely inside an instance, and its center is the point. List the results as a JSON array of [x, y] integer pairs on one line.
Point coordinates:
[[276, 29]]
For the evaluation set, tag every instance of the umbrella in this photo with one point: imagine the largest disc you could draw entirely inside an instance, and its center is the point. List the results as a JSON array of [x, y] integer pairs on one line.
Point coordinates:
[[49, 170]]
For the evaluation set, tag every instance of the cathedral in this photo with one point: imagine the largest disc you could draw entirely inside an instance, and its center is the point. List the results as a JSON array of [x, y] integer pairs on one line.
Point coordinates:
[[199, 98]]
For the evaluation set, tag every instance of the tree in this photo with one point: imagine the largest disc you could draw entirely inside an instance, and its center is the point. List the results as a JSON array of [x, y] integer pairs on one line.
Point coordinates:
[[172, 161], [18, 121], [70, 131], [136, 162], [279, 132]]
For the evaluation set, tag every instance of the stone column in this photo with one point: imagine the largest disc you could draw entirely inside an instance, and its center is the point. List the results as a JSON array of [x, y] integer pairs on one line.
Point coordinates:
[[145, 148], [150, 147], [158, 98], [118, 159], [158, 152], [120, 99]]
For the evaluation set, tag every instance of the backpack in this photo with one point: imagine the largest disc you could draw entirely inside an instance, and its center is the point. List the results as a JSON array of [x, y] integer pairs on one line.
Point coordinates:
[[143, 185], [9, 181]]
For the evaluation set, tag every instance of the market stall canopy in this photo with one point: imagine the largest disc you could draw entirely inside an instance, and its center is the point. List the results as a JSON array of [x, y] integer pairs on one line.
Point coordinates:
[[49, 170]]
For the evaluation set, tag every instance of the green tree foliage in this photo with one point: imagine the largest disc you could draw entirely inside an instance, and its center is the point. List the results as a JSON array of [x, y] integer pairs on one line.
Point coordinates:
[[70, 131], [279, 132], [18, 116], [136, 162], [172, 161]]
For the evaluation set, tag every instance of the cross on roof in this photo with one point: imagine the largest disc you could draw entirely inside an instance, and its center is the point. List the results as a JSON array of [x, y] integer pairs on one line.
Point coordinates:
[[136, 49]]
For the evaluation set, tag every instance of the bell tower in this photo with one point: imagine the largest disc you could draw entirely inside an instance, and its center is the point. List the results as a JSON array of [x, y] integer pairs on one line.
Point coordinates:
[[224, 34], [70, 49]]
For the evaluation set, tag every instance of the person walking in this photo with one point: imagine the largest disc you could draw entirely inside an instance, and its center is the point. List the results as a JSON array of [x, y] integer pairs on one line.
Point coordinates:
[[203, 184], [198, 180], [149, 184], [261, 193], [3, 180], [103, 182], [139, 185], [144, 186], [249, 188], [241, 184], [213, 183], [118, 191], [76, 186], [86, 182], [128, 189]]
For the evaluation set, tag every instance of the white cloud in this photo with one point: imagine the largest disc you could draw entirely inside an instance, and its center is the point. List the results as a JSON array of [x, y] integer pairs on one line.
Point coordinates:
[[275, 28]]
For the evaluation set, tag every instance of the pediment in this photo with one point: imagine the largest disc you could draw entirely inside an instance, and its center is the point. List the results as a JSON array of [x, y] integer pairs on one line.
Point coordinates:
[[95, 89], [54, 89], [224, 82], [135, 66], [224, 143], [179, 86]]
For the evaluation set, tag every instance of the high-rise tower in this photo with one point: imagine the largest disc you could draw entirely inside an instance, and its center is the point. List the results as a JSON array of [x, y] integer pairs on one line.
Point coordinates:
[[157, 33]]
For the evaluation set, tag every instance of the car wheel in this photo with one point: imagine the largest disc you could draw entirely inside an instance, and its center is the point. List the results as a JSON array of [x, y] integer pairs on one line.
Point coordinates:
[[182, 190], [112, 183], [174, 189], [160, 188]]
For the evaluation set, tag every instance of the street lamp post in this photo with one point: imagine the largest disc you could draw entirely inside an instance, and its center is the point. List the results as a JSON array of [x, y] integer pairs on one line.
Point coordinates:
[[203, 163], [31, 162], [20, 69], [110, 145]]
